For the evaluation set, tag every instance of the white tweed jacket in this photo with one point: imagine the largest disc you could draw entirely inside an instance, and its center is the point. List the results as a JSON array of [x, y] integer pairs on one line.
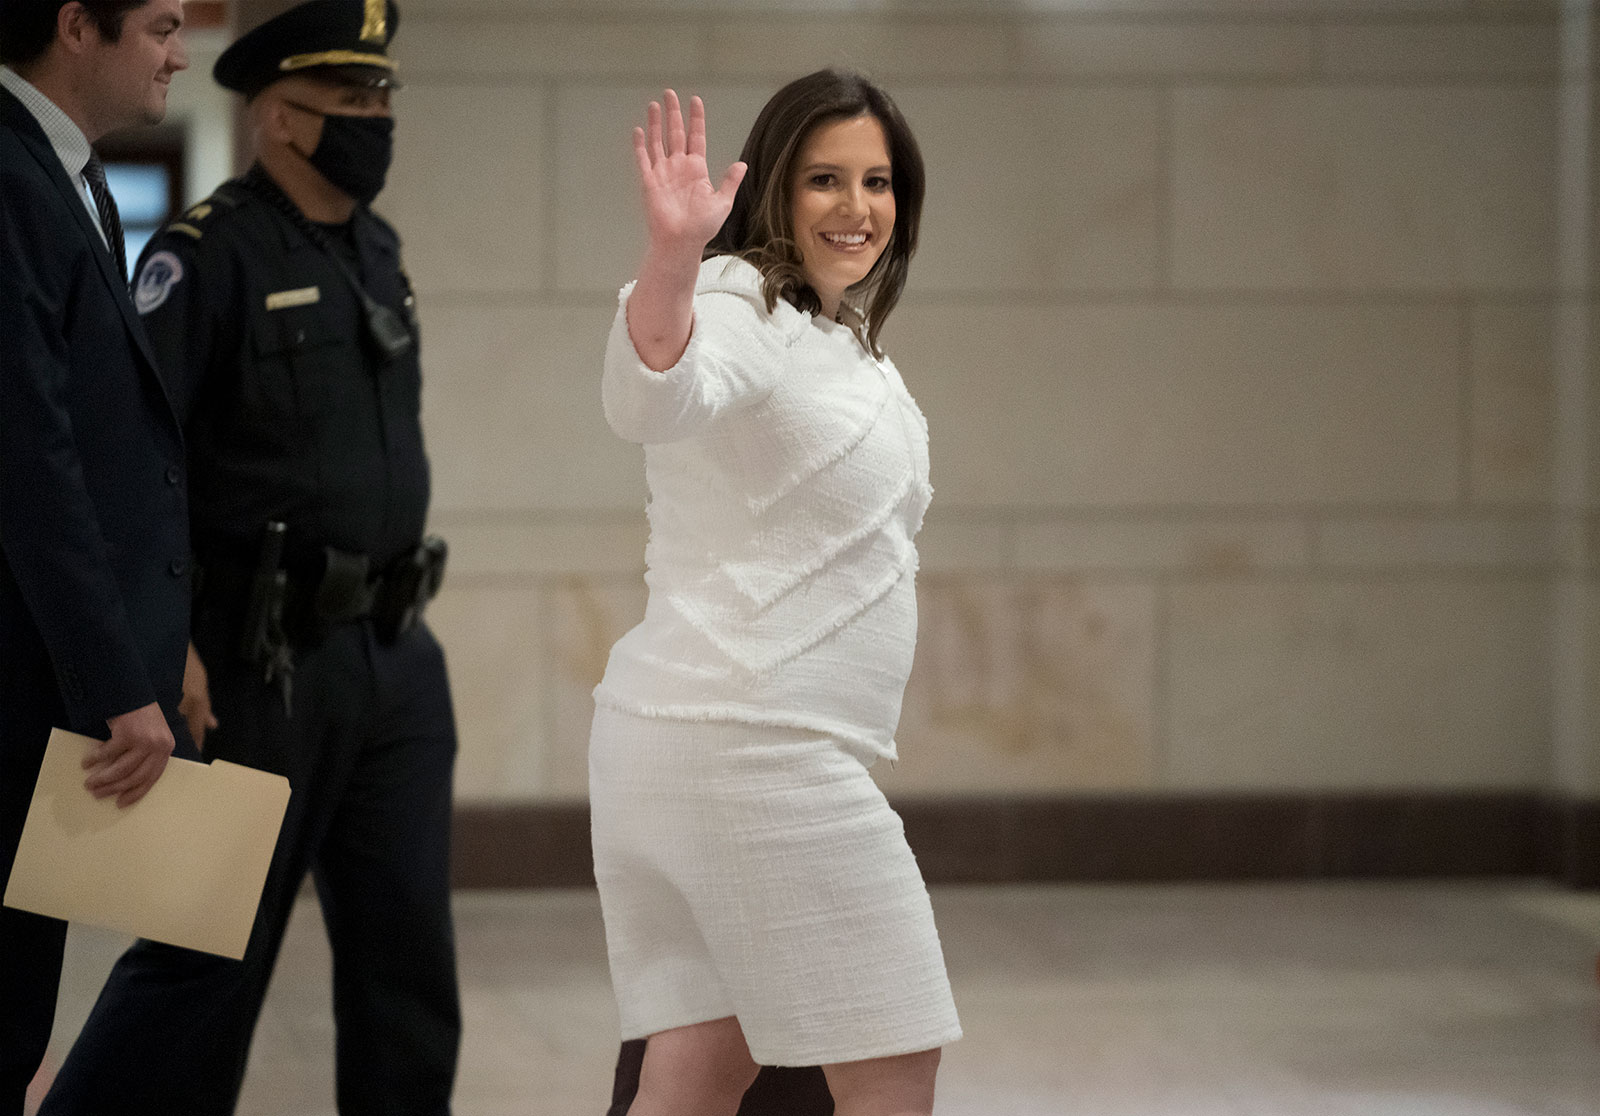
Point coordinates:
[[788, 475]]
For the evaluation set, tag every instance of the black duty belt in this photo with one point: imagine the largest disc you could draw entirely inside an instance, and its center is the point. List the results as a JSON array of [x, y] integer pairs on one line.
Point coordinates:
[[286, 596]]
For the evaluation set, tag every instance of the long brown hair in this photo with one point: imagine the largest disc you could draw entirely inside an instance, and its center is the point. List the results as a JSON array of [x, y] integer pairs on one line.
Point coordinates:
[[760, 227]]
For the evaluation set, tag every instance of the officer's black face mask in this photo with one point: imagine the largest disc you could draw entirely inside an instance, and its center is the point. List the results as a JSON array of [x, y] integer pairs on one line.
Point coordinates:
[[354, 152]]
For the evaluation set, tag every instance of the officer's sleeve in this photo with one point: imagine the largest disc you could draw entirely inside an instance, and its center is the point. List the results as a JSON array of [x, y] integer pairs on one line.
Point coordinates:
[[186, 291], [49, 528]]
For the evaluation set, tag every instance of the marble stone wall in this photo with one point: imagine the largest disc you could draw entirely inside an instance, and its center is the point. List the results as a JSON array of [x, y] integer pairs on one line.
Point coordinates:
[[1238, 327], [1575, 439]]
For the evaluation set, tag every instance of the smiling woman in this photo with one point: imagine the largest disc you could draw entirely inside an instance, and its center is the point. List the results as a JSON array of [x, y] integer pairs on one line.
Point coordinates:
[[828, 139], [760, 900], [843, 206]]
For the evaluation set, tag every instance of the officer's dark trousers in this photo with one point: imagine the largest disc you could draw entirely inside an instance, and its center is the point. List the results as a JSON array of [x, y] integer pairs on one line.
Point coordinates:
[[369, 754], [777, 1090]]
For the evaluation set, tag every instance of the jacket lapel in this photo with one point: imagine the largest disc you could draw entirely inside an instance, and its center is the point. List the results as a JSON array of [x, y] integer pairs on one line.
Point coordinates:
[[14, 113]]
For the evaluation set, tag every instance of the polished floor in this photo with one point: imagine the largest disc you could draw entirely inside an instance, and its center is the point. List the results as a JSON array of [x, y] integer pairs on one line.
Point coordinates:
[[1342, 999]]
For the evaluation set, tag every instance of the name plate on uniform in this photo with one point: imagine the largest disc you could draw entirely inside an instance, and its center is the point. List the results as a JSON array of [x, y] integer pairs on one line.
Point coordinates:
[[302, 296]]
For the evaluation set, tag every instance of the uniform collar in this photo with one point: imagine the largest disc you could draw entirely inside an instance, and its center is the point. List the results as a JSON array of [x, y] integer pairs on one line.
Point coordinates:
[[292, 229]]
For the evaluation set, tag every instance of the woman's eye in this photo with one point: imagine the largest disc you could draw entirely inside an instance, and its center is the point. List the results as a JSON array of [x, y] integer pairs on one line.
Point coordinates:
[[877, 182], [821, 179]]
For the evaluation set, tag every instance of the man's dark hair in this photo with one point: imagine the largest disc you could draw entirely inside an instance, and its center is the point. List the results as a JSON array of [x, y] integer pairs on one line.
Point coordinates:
[[28, 27]]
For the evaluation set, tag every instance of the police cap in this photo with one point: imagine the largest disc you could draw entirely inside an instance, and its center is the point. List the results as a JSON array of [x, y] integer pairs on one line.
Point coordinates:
[[345, 40]]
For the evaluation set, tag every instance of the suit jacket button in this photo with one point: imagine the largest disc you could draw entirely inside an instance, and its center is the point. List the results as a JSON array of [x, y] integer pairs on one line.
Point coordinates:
[[177, 567], [173, 474]]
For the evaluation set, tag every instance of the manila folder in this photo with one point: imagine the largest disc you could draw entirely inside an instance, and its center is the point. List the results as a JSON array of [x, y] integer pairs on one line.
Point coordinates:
[[184, 865]]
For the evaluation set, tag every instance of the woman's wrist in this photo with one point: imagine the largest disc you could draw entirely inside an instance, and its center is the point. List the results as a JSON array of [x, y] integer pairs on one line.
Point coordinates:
[[661, 308], [672, 257]]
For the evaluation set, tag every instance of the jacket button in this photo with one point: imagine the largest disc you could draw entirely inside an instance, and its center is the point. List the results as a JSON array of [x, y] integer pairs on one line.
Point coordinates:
[[174, 474], [177, 567]]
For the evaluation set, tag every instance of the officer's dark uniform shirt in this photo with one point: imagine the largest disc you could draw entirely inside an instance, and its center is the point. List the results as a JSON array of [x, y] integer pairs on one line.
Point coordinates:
[[290, 413]]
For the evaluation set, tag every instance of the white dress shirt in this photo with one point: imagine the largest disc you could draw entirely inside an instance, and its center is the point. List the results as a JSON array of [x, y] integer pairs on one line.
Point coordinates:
[[70, 144]]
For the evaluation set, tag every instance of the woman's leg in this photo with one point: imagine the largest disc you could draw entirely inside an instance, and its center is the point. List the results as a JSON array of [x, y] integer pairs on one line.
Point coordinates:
[[699, 1070], [898, 1086], [778, 1090]]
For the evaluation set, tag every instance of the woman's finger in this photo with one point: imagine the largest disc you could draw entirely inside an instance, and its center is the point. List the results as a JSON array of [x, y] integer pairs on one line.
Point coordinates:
[[731, 180], [641, 155], [656, 153], [674, 111], [697, 126]]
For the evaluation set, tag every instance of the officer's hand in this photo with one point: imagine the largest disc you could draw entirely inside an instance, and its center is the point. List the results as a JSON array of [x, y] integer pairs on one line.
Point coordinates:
[[129, 764], [195, 707]]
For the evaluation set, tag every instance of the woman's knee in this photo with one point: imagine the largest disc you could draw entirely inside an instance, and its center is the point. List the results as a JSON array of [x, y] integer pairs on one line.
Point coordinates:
[[710, 1060]]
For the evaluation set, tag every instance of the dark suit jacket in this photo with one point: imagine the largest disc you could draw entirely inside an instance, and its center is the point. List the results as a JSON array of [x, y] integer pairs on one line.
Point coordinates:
[[94, 550]]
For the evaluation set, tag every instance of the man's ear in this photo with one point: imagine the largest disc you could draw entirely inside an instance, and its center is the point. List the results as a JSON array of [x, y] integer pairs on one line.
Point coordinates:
[[272, 117], [75, 28]]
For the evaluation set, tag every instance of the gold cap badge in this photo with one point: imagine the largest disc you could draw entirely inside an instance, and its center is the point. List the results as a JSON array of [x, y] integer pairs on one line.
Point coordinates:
[[375, 27]]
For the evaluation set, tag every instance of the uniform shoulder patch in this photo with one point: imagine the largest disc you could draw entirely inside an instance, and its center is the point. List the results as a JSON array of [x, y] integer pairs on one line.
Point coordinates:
[[189, 222], [161, 272], [193, 220]]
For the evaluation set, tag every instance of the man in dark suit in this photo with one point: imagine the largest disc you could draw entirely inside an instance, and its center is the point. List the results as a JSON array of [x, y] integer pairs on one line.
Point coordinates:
[[94, 549]]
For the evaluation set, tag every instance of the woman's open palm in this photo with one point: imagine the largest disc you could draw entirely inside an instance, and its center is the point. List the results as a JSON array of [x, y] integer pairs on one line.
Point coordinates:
[[680, 204]]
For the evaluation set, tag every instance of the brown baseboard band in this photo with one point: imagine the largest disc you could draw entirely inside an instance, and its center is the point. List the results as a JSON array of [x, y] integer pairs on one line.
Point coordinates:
[[1135, 838], [523, 845], [1569, 846]]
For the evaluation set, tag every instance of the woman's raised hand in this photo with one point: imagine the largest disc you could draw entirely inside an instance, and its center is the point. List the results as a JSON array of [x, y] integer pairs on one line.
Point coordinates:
[[683, 212], [681, 207]]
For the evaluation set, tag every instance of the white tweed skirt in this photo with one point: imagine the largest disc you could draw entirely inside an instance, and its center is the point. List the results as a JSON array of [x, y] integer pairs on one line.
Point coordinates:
[[758, 872]]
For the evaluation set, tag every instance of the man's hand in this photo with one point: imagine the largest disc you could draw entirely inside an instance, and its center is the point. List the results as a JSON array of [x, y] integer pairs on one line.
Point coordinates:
[[129, 764], [195, 707]]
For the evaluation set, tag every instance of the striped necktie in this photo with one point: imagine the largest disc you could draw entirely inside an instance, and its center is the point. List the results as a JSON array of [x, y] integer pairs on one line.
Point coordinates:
[[94, 173]]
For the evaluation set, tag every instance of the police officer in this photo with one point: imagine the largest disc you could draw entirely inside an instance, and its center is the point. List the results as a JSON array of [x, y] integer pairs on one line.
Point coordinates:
[[285, 327]]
